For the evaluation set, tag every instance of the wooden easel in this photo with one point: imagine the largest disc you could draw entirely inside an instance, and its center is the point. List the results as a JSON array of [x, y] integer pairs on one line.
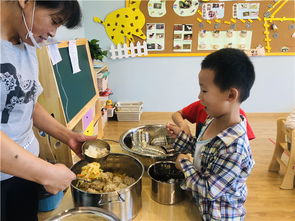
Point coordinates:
[[51, 149]]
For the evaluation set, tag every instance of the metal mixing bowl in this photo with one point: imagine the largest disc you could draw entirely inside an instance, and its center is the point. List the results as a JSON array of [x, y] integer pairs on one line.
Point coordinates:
[[99, 144], [85, 213], [149, 133]]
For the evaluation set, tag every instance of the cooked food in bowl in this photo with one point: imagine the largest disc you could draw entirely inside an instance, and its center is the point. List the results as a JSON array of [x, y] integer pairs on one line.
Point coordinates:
[[97, 181], [95, 152]]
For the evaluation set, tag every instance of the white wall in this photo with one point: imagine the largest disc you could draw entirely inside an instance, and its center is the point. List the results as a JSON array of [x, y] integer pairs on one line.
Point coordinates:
[[170, 83], [167, 84]]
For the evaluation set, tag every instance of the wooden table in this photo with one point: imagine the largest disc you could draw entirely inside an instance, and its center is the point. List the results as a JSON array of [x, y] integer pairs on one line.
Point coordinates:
[[150, 211]]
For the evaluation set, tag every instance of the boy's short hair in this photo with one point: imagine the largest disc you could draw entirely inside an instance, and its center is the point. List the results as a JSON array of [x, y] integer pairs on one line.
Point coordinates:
[[69, 10], [232, 68]]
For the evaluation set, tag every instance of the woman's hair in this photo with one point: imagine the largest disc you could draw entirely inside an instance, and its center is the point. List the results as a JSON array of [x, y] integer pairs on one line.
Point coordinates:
[[69, 10]]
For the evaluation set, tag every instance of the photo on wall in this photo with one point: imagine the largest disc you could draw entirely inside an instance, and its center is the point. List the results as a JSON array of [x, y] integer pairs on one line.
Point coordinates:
[[182, 38], [157, 8], [215, 40], [246, 10], [155, 33], [213, 10]]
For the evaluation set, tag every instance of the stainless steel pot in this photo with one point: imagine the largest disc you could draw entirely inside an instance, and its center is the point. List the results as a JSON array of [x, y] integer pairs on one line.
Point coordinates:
[[166, 180], [84, 213], [125, 203], [146, 158]]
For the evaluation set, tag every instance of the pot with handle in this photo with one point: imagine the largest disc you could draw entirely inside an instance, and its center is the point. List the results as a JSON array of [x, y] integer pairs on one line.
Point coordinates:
[[165, 181], [125, 203]]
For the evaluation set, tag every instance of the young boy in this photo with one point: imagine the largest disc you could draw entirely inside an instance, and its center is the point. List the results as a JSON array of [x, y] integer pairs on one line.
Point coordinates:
[[222, 157], [196, 113]]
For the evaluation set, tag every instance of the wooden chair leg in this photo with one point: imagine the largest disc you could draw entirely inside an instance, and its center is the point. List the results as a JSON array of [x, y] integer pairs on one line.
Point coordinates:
[[274, 165], [288, 180]]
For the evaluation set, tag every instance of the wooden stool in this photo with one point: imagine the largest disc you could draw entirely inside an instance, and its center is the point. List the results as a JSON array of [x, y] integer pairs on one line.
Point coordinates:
[[284, 135]]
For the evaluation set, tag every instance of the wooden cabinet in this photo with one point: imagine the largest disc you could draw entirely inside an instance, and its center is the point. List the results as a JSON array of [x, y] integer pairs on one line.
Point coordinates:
[[101, 70]]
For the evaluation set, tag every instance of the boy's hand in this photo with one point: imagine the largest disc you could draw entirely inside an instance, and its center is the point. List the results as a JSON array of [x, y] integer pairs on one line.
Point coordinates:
[[186, 129], [179, 158], [173, 130]]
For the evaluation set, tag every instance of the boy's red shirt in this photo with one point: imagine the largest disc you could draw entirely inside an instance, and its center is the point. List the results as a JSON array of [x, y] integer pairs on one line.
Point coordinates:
[[195, 113]]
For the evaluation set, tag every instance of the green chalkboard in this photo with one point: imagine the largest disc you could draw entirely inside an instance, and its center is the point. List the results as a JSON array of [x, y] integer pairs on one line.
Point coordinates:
[[75, 90]]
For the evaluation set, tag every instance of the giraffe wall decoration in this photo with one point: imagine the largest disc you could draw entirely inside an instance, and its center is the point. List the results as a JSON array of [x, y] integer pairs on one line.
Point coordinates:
[[123, 23]]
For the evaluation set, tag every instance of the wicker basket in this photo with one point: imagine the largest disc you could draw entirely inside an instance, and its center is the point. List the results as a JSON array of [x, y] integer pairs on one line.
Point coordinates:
[[129, 111]]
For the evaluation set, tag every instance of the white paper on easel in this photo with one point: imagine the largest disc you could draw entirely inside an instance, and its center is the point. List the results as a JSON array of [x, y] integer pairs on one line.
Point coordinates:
[[54, 53], [74, 56]]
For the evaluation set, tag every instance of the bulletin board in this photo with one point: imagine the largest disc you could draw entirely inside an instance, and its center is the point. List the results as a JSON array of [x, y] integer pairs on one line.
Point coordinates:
[[272, 27]]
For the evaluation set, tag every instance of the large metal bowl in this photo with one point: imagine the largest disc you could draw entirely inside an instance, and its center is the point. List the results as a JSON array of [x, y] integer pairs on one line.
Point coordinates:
[[85, 213], [126, 142]]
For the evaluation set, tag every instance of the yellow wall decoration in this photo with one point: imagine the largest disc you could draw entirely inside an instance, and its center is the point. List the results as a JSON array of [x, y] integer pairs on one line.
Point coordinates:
[[124, 23]]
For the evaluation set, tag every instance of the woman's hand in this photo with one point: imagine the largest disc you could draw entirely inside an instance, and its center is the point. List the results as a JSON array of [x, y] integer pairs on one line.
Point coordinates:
[[58, 178], [76, 140]]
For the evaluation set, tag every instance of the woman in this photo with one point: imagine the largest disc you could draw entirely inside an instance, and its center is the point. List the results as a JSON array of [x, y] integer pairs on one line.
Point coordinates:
[[24, 25]]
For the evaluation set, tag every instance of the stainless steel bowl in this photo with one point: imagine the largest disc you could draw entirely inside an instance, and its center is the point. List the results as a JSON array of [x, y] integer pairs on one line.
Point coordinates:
[[152, 131], [85, 213], [100, 144]]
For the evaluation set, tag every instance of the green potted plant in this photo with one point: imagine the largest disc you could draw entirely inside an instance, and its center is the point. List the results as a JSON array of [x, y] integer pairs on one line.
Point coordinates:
[[95, 50]]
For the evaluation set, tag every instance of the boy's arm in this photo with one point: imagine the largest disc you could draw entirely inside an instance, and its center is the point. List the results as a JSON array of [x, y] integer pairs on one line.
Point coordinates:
[[250, 132], [179, 120], [184, 143], [224, 171]]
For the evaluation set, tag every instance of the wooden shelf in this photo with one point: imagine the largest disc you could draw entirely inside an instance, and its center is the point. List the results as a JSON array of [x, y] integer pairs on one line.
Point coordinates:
[[98, 70], [102, 66]]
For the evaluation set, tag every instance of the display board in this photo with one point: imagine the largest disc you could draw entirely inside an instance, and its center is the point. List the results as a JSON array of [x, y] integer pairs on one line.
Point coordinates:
[[197, 28], [76, 90]]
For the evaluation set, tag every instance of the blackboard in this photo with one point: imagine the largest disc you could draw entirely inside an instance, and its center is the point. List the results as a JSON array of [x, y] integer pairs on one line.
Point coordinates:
[[75, 90]]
